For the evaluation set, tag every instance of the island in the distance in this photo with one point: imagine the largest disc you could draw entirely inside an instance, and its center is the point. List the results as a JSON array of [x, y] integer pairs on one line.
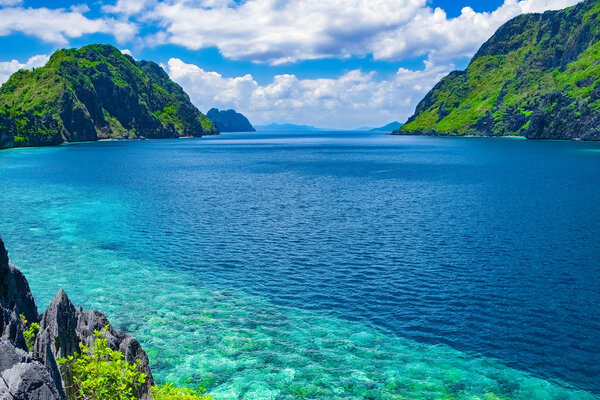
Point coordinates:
[[392, 126], [286, 128], [95, 92], [538, 77], [229, 121]]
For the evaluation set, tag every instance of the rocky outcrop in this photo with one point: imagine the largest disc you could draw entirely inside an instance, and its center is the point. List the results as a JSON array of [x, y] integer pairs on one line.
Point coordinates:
[[538, 76], [95, 92], [23, 378], [62, 329], [15, 299], [229, 121]]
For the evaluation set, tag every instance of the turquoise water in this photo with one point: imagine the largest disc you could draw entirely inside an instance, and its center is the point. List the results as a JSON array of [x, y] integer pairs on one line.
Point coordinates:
[[326, 266]]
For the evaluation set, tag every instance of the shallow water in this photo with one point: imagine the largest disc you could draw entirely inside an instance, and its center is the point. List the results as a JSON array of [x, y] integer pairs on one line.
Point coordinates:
[[326, 265]]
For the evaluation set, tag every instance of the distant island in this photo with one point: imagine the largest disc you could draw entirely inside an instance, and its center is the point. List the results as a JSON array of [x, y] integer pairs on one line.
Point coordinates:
[[392, 126], [286, 128], [538, 77], [95, 92], [229, 121]]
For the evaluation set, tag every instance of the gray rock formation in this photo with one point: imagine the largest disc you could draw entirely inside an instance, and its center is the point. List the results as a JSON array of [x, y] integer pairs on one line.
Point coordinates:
[[23, 378], [63, 328], [15, 299]]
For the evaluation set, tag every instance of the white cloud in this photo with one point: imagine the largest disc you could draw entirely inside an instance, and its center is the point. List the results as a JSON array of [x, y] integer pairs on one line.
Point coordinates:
[[354, 99], [432, 33], [59, 25], [127, 7], [7, 68], [277, 31], [10, 3]]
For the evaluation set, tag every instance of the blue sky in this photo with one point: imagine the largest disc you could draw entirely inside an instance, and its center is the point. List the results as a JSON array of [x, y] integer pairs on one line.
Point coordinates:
[[334, 63]]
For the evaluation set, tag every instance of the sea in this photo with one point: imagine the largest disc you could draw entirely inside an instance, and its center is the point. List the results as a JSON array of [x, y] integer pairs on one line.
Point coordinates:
[[326, 265]]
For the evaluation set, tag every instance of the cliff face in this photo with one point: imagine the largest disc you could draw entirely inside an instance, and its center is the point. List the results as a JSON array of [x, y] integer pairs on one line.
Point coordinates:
[[229, 121], [537, 77], [63, 327], [92, 93]]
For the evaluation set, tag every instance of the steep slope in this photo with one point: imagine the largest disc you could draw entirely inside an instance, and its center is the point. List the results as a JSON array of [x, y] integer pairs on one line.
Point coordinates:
[[95, 92], [536, 77], [229, 121]]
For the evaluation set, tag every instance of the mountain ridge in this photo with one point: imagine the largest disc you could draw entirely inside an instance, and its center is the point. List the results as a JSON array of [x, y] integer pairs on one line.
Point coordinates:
[[91, 93], [536, 77]]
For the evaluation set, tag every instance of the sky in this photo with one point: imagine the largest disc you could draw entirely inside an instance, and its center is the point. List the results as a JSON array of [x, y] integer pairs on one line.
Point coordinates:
[[327, 63]]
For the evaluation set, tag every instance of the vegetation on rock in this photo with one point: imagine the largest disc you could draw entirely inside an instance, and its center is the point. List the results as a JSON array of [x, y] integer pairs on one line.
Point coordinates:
[[538, 77], [29, 331], [95, 92], [100, 373]]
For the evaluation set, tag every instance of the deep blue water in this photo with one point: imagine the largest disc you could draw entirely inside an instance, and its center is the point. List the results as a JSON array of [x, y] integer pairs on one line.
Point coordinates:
[[480, 247]]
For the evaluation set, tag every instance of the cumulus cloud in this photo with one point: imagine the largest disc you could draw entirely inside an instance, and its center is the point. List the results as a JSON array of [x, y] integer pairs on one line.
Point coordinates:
[[7, 68], [59, 25], [276, 31], [354, 99], [10, 3]]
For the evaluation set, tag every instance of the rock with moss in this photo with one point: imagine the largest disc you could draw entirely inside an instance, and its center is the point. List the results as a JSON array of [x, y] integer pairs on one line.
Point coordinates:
[[537, 77], [95, 92]]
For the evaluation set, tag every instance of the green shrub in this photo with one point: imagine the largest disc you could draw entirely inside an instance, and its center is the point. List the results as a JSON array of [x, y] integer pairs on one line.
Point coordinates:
[[100, 373], [29, 332], [206, 123], [169, 392]]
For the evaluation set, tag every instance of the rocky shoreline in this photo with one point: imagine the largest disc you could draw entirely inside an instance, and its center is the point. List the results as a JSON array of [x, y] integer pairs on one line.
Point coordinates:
[[36, 375]]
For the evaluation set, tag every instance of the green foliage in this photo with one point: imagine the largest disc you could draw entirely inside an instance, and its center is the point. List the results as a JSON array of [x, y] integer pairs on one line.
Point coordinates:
[[515, 75], [30, 331], [100, 373], [206, 123], [78, 80], [170, 392]]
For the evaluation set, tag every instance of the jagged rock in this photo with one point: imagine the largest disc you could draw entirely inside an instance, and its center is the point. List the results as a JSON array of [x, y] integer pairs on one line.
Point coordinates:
[[15, 299], [229, 121], [23, 378], [15, 293], [57, 338], [63, 328], [11, 328]]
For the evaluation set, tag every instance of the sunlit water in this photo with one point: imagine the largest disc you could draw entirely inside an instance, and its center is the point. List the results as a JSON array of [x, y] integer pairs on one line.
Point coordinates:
[[326, 266]]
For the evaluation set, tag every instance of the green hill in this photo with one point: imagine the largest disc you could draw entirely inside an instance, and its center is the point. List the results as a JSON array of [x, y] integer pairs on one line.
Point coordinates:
[[536, 77], [95, 92]]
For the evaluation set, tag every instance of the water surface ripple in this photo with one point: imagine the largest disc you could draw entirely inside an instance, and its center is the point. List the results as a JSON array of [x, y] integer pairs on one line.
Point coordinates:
[[327, 265]]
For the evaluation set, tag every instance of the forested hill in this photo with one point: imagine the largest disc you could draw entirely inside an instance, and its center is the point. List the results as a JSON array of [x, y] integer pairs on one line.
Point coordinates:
[[95, 92], [536, 77]]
